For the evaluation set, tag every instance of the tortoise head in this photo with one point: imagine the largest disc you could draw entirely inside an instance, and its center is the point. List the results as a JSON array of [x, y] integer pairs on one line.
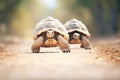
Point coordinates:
[[76, 36], [50, 33]]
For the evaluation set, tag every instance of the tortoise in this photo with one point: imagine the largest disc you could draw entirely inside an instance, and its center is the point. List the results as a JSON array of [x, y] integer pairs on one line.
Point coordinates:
[[78, 33], [50, 32]]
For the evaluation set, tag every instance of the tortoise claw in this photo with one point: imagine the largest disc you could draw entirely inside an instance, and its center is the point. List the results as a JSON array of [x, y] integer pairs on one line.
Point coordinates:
[[66, 49], [87, 48], [35, 51]]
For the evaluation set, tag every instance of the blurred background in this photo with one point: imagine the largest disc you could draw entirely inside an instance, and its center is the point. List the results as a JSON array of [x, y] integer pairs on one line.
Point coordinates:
[[19, 17]]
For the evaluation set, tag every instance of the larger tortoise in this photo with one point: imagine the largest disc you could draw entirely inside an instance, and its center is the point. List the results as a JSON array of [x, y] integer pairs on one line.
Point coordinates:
[[49, 32], [78, 33]]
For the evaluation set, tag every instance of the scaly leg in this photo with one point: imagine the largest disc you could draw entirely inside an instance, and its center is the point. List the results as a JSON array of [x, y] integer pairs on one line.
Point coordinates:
[[85, 42], [37, 44], [64, 45]]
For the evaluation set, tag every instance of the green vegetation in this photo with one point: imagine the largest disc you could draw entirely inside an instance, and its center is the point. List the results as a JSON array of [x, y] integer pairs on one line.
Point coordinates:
[[19, 17]]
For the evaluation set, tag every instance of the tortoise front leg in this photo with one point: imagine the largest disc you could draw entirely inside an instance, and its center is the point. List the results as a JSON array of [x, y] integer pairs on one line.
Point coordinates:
[[64, 45], [85, 42], [37, 44]]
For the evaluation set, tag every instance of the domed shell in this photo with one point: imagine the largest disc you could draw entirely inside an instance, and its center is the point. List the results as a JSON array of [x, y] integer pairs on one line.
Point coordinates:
[[75, 25], [49, 23]]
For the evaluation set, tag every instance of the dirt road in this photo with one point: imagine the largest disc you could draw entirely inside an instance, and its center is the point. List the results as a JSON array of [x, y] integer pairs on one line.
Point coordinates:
[[102, 62]]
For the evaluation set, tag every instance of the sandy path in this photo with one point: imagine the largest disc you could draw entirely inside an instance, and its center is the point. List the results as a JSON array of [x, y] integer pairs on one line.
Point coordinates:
[[18, 63]]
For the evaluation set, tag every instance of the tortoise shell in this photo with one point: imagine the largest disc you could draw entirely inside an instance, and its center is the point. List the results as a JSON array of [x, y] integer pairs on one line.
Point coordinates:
[[50, 23], [75, 25]]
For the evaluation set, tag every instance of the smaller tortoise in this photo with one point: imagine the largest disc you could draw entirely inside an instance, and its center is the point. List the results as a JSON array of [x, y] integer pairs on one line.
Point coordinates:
[[49, 32], [78, 33]]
